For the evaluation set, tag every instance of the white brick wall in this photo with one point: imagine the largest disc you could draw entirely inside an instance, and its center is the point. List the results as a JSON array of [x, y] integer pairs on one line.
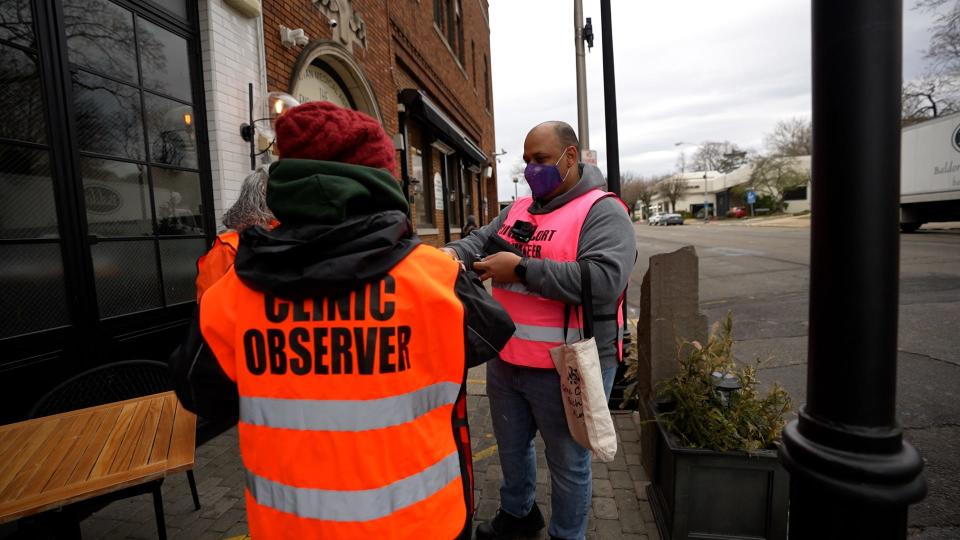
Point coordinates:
[[231, 59]]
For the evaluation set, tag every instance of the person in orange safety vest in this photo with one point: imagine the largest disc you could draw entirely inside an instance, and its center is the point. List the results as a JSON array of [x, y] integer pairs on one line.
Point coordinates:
[[344, 343], [249, 210]]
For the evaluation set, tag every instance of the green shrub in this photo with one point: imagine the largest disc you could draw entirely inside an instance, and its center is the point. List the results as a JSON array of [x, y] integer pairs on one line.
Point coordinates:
[[695, 411]]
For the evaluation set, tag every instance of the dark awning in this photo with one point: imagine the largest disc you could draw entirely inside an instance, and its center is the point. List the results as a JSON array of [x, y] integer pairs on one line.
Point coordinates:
[[421, 107]]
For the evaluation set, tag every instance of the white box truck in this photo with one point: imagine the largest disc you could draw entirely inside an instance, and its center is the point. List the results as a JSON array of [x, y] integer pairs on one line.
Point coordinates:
[[930, 173]]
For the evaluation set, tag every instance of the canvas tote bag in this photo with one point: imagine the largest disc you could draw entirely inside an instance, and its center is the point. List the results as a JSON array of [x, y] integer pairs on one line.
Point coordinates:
[[581, 382]]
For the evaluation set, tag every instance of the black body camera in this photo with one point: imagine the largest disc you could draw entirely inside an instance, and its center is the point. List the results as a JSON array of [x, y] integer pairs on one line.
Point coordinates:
[[522, 231]]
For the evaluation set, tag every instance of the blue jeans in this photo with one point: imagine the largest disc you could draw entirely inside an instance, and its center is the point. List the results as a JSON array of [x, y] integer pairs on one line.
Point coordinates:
[[522, 401]]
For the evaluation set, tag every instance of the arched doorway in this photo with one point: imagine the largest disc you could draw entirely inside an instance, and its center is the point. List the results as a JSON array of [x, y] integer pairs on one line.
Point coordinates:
[[327, 71]]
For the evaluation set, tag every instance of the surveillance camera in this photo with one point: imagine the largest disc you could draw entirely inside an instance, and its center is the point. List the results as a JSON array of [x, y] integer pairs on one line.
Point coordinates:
[[333, 23]]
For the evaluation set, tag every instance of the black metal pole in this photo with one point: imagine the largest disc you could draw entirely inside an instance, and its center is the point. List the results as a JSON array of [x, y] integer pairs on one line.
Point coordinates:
[[253, 129], [404, 158], [852, 474], [610, 100]]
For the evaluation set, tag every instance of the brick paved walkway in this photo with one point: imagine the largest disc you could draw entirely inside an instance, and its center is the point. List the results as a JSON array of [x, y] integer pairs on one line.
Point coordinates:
[[620, 508]]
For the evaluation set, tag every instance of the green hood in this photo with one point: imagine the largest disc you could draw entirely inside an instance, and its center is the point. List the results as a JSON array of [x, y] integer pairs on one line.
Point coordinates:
[[304, 191]]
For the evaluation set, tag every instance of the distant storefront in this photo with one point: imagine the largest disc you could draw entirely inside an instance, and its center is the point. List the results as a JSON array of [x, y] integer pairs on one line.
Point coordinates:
[[120, 149]]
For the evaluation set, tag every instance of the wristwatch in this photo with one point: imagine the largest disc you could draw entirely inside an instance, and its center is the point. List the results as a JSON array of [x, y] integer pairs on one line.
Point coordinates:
[[521, 270]]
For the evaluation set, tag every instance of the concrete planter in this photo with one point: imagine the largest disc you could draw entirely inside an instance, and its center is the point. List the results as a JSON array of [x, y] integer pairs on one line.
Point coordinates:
[[703, 494]]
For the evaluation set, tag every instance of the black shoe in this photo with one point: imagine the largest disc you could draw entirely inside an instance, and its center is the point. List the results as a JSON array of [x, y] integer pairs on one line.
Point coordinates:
[[505, 525]]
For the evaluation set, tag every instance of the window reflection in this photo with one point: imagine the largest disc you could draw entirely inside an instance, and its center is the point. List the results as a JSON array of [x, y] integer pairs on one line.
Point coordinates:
[[126, 276], [170, 130], [100, 37], [176, 195], [178, 258], [16, 22], [26, 194], [108, 116], [20, 92], [31, 289], [116, 198], [163, 60], [179, 7]]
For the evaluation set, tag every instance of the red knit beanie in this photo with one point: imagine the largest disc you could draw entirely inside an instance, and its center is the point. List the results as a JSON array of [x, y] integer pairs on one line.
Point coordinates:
[[323, 131]]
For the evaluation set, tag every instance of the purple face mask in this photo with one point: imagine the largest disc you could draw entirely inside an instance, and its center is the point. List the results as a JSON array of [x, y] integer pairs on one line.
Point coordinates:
[[543, 179]]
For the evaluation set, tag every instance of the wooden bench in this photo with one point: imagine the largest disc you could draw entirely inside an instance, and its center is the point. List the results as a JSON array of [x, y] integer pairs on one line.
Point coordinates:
[[53, 461]]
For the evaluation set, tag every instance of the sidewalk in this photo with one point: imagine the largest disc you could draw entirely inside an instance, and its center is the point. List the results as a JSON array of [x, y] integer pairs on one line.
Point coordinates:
[[619, 510]]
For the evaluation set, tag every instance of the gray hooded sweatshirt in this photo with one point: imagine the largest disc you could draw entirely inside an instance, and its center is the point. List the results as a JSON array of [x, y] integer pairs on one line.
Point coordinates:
[[607, 243]]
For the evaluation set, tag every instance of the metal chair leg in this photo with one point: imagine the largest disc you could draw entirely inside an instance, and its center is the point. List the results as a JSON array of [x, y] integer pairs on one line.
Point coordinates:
[[158, 510], [193, 489]]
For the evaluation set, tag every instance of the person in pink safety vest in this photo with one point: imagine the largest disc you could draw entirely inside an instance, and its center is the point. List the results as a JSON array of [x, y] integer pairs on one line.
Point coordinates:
[[532, 251]]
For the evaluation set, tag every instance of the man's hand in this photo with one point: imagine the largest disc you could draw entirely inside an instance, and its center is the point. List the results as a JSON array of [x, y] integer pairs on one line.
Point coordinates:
[[498, 266]]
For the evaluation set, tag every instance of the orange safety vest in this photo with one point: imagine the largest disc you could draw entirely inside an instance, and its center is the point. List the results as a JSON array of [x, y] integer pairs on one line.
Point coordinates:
[[213, 265], [539, 320], [352, 414]]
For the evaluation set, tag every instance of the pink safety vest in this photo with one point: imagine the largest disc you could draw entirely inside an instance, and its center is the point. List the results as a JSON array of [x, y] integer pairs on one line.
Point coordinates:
[[539, 320]]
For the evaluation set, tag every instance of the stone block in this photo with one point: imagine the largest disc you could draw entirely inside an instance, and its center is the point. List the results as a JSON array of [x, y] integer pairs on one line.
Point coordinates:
[[669, 308], [605, 508], [602, 488], [621, 479]]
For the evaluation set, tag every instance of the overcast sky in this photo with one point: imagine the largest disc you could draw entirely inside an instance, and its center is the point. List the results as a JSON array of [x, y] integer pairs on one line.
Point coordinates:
[[690, 71]]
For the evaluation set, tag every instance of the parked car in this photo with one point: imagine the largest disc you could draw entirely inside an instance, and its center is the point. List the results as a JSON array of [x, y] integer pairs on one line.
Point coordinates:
[[664, 219], [737, 212]]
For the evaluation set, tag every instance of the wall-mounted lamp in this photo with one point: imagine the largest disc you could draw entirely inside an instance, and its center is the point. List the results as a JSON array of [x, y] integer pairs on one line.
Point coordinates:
[[488, 172], [296, 36], [277, 104], [498, 154]]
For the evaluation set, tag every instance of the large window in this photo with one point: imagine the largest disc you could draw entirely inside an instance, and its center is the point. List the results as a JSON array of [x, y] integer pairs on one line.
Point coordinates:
[[795, 194], [131, 90], [32, 292], [448, 18], [110, 189], [423, 190], [486, 81]]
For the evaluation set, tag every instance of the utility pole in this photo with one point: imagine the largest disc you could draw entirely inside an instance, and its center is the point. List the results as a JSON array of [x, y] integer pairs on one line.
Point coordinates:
[[851, 473], [610, 100], [583, 127], [706, 216]]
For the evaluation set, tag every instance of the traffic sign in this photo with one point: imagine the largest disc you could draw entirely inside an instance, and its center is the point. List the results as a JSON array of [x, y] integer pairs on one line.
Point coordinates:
[[751, 197], [589, 156]]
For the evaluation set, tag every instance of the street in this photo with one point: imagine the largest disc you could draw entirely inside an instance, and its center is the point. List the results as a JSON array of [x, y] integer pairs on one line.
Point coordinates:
[[761, 274]]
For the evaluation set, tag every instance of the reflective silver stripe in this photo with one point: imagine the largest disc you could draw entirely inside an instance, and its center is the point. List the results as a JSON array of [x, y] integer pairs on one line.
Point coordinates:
[[346, 415], [518, 288], [359, 505], [547, 334]]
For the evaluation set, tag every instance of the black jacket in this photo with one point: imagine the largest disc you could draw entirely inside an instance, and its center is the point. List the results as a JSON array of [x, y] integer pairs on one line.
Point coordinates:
[[317, 259]]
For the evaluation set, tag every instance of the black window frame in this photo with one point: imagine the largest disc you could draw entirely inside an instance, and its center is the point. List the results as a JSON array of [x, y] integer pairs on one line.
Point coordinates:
[[87, 339]]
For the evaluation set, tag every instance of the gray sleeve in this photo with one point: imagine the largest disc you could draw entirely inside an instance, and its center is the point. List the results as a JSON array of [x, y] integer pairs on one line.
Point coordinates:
[[473, 244], [607, 242]]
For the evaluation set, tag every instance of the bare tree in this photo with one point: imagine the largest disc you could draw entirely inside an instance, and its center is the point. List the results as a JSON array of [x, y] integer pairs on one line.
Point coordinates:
[[671, 187], [682, 162], [773, 176], [929, 97], [792, 137], [944, 48], [718, 156], [636, 189]]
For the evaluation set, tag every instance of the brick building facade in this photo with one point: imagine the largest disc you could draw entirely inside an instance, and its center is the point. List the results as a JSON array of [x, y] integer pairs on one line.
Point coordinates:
[[421, 67], [123, 149]]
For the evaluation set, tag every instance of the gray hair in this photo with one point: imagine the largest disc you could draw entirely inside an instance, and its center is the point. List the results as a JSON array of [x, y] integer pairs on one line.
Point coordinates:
[[251, 207]]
